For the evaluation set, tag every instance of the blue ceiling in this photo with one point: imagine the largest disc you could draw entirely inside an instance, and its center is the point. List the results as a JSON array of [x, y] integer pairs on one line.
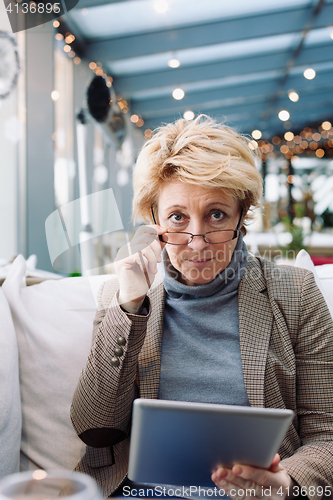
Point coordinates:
[[238, 59]]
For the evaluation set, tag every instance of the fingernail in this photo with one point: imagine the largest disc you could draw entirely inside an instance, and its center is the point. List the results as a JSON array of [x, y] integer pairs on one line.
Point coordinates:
[[222, 472], [237, 470]]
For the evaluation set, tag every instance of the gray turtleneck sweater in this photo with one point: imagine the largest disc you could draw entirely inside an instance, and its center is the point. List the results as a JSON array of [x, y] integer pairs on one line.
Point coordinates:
[[201, 358]]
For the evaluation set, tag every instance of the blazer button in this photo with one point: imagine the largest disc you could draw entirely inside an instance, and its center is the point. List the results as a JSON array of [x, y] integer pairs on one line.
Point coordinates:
[[121, 340], [118, 351], [114, 361]]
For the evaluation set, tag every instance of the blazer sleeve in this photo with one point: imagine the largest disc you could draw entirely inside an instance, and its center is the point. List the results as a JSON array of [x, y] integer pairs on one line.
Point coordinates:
[[312, 464], [102, 403]]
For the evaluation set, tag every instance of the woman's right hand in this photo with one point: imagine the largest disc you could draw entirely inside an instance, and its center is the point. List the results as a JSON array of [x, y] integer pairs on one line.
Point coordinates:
[[136, 266]]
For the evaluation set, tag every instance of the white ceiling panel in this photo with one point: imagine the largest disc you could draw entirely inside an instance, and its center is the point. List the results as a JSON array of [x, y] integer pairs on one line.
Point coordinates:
[[139, 16]]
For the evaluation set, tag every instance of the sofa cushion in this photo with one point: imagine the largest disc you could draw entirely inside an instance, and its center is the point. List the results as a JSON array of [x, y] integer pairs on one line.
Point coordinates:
[[53, 323], [323, 276], [10, 407]]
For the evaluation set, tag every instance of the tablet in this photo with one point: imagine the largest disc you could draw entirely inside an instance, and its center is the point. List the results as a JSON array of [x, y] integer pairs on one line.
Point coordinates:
[[180, 443]]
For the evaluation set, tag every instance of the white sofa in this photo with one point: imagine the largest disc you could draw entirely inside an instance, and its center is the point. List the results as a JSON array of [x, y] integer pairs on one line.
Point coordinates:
[[45, 338]]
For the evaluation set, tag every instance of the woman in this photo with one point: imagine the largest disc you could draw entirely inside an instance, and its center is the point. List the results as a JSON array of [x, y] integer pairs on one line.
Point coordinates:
[[215, 324]]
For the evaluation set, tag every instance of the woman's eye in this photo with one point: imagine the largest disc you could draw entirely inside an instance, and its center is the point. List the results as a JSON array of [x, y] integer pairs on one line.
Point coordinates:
[[176, 218], [217, 215]]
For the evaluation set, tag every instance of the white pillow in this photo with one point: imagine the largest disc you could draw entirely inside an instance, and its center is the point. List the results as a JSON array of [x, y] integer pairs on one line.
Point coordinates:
[[323, 276], [53, 323], [10, 401]]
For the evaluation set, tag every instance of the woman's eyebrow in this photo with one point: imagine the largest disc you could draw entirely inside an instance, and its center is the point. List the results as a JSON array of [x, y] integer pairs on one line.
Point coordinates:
[[207, 206], [175, 206]]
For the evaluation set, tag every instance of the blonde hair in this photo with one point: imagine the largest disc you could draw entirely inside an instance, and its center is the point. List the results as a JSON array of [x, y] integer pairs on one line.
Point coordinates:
[[201, 152]]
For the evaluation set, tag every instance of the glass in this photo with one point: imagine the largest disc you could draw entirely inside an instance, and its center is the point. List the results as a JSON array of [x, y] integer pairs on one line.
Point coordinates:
[[42, 485], [212, 237]]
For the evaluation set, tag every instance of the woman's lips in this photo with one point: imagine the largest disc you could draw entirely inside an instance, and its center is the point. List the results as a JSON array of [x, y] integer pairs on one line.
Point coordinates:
[[199, 262]]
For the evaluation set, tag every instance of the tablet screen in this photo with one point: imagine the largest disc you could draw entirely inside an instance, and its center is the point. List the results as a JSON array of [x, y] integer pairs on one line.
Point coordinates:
[[181, 443]]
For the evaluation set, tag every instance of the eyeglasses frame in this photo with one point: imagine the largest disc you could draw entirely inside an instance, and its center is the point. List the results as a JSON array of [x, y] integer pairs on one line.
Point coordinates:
[[236, 232]]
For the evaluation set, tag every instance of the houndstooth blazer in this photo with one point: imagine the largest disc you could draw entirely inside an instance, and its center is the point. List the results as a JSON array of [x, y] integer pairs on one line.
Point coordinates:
[[286, 341]]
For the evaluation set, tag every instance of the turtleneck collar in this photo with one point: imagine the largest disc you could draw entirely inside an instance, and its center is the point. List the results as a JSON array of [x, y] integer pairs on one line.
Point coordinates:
[[227, 280]]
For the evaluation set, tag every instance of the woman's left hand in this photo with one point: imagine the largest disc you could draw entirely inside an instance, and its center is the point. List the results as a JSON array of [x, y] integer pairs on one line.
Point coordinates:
[[272, 484]]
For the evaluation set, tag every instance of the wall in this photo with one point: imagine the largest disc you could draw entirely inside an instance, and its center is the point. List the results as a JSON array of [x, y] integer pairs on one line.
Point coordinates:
[[27, 180], [8, 167]]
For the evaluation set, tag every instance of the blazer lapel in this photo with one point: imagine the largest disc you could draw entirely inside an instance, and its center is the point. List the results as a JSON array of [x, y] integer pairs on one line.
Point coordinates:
[[255, 326], [150, 355]]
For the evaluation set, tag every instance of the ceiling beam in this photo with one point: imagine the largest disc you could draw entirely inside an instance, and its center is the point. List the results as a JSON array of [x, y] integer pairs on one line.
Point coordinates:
[[318, 101], [181, 76], [228, 96], [246, 122], [222, 31], [319, 107]]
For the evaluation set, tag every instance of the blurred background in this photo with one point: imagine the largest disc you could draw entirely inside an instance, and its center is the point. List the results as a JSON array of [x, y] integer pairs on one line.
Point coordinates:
[[81, 93]]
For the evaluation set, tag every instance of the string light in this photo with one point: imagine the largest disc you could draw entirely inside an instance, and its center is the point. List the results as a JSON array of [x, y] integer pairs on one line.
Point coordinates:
[[253, 145], [54, 95], [178, 94], [69, 38], [326, 125], [288, 136], [148, 133], [316, 143], [309, 74], [256, 134], [284, 115], [56, 24], [293, 96], [161, 6], [173, 63], [188, 115]]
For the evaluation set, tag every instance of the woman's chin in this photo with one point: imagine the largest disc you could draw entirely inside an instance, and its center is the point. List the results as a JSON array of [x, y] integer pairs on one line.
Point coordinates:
[[194, 278]]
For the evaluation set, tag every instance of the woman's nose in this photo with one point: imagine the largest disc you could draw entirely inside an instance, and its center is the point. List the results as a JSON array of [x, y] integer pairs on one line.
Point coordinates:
[[197, 228], [198, 243]]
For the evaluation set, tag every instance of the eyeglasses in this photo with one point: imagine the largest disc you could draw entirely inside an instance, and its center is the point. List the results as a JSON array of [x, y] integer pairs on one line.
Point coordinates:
[[212, 237]]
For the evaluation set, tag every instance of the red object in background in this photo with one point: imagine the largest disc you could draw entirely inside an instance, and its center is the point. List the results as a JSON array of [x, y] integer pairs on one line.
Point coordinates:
[[319, 260]]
